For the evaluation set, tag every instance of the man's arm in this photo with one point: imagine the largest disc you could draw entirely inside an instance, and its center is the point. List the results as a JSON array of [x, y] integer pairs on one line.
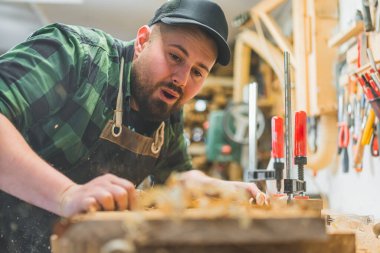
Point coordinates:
[[25, 175]]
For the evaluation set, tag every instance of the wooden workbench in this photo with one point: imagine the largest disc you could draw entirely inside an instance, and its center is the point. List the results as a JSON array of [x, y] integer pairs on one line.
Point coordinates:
[[198, 230]]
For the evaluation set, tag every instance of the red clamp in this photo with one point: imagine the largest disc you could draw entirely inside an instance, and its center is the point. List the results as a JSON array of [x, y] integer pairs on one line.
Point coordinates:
[[277, 137], [300, 134]]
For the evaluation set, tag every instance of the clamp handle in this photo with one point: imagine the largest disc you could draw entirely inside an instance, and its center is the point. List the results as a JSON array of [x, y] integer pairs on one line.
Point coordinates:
[[277, 137], [300, 134]]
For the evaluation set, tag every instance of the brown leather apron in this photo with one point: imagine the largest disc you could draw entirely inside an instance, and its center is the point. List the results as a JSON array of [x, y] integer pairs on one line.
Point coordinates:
[[120, 151]]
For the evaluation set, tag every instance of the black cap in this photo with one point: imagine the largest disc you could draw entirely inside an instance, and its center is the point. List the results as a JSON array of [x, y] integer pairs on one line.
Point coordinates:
[[204, 13]]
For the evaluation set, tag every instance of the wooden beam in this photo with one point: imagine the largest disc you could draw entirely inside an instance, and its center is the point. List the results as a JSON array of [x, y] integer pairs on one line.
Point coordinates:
[[302, 48], [277, 34], [322, 93], [242, 61], [343, 36], [267, 5], [265, 49]]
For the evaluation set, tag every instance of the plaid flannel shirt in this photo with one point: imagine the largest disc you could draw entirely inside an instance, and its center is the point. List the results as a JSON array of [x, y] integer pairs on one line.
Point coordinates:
[[59, 89]]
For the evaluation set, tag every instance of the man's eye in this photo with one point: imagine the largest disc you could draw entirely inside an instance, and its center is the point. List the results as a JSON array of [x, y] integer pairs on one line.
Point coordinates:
[[197, 73], [175, 57]]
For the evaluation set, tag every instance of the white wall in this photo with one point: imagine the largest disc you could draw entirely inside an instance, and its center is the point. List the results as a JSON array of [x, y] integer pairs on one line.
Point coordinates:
[[352, 192]]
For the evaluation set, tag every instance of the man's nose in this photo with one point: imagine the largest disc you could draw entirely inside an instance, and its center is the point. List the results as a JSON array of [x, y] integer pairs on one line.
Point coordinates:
[[180, 76]]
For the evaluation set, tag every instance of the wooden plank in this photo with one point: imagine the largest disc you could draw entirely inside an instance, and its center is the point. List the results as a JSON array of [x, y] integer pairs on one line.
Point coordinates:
[[343, 36], [143, 232]]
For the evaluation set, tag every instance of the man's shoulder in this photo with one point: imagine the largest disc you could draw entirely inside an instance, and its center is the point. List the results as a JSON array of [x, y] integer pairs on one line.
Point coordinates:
[[84, 35]]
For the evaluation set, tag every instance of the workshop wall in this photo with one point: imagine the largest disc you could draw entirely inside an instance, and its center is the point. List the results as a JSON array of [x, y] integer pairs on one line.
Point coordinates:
[[352, 192]]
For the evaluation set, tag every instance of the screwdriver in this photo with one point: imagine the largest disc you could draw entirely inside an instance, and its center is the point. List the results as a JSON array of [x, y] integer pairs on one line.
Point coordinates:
[[278, 149], [364, 138]]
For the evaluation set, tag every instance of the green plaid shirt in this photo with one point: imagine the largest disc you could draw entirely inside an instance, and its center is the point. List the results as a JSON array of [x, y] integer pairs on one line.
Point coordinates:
[[59, 89]]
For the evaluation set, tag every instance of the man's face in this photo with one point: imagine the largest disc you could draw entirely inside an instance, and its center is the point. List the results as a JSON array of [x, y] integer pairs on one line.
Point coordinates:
[[170, 66]]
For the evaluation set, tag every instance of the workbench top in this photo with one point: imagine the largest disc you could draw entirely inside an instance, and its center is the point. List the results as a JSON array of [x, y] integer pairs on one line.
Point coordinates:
[[198, 230]]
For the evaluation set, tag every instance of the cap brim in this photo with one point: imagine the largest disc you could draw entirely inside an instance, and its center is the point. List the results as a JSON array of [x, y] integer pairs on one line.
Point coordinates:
[[224, 53]]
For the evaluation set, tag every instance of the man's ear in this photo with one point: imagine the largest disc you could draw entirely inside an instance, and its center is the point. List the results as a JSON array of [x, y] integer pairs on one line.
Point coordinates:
[[142, 37]]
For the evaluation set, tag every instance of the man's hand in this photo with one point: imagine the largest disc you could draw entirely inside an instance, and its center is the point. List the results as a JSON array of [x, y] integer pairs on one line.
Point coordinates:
[[260, 197], [107, 192], [198, 177]]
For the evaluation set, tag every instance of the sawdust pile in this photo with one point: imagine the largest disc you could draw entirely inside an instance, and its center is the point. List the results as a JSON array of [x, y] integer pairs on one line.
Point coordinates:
[[175, 198]]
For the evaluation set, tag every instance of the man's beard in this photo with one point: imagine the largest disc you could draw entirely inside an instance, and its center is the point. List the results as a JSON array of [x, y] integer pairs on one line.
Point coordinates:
[[150, 108]]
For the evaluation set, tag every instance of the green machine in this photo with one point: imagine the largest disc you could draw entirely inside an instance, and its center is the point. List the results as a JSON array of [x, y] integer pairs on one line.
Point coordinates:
[[230, 127], [216, 141]]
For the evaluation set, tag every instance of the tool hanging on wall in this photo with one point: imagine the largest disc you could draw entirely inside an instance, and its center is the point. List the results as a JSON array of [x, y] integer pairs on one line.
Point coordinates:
[[343, 131], [364, 138], [374, 145], [359, 96], [378, 136], [367, 16], [370, 90]]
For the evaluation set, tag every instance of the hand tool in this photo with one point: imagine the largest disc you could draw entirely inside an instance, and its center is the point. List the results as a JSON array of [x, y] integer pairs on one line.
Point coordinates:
[[362, 46], [358, 120], [344, 137], [367, 16], [358, 156], [378, 132], [300, 142], [340, 113], [374, 72], [292, 186], [377, 17], [371, 59], [368, 90], [288, 114], [278, 149], [375, 144], [351, 116], [371, 84], [375, 79], [367, 128], [343, 132]]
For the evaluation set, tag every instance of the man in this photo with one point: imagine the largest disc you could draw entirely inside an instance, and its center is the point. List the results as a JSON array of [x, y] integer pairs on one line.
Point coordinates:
[[86, 117]]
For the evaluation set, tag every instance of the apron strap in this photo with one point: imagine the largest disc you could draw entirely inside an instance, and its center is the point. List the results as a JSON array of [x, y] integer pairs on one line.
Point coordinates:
[[118, 116], [158, 139]]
